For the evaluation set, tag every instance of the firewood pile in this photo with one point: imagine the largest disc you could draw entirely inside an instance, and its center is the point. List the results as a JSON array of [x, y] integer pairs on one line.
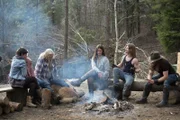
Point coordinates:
[[7, 106]]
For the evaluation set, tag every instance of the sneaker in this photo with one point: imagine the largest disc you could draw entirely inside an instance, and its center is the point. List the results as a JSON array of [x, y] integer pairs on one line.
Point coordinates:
[[76, 83], [141, 101], [162, 104]]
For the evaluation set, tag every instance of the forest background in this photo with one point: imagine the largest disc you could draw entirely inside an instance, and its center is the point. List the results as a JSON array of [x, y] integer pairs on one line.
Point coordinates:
[[72, 28]]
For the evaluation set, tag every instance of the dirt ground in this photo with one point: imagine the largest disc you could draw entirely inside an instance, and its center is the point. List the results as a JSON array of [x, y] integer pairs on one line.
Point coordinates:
[[76, 111]]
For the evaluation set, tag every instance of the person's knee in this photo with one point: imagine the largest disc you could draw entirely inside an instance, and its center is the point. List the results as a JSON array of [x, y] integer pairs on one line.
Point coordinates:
[[165, 86], [115, 70], [90, 80], [148, 86]]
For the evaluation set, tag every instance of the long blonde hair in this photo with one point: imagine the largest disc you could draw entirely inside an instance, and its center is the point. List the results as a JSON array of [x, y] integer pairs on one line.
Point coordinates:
[[46, 55]]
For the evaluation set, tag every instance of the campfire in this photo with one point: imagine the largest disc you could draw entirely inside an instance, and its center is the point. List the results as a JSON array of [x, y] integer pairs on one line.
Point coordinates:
[[102, 103]]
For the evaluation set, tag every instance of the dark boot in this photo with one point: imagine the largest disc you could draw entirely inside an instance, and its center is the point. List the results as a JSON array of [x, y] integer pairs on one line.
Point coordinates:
[[164, 102], [141, 101], [146, 92], [76, 83], [91, 87], [126, 92]]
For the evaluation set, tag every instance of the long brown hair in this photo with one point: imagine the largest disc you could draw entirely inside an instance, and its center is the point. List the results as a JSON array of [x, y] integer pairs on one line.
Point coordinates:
[[132, 49], [95, 52]]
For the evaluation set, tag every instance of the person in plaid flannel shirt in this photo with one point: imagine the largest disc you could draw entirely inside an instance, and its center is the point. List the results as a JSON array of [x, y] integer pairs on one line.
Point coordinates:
[[44, 70]]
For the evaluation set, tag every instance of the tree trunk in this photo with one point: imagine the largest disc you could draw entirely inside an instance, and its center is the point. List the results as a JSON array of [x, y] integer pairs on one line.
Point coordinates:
[[66, 31], [138, 17], [116, 30], [3, 24], [107, 28], [52, 12], [127, 19]]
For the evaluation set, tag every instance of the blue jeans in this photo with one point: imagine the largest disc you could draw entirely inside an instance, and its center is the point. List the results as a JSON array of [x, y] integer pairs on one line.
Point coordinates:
[[171, 80], [47, 84], [94, 81], [126, 77]]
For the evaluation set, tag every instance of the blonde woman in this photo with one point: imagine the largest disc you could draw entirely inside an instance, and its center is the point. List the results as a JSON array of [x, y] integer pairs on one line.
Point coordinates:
[[44, 68]]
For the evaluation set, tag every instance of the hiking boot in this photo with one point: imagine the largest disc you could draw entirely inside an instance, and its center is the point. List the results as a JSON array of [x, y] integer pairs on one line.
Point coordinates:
[[141, 101], [162, 104], [29, 102], [76, 83]]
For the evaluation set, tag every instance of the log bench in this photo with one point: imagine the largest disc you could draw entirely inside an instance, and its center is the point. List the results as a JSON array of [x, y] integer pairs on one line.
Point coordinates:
[[174, 96], [14, 94]]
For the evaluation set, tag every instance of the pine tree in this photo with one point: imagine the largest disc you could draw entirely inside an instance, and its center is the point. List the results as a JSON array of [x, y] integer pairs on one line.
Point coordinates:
[[167, 19]]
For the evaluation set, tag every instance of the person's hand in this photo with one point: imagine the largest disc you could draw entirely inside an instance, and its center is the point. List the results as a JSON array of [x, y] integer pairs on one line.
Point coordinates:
[[150, 81], [100, 75], [113, 65]]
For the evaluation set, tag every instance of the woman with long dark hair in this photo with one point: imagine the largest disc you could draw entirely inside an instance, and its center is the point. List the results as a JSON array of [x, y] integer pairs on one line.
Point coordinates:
[[166, 76], [98, 75]]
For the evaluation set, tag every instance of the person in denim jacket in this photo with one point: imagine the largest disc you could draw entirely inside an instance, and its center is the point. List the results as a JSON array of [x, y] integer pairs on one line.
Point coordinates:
[[166, 76], [19, 76], [44, 70], [97, 76], [126, 70]]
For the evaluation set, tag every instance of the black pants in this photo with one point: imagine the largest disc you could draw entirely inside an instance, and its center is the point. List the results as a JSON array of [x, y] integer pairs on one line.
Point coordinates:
[[32, 84]]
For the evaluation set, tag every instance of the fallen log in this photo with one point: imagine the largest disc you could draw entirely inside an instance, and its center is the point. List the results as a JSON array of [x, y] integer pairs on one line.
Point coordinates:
[[16, 106], [18, 95], [174, 96], [139, 86]]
